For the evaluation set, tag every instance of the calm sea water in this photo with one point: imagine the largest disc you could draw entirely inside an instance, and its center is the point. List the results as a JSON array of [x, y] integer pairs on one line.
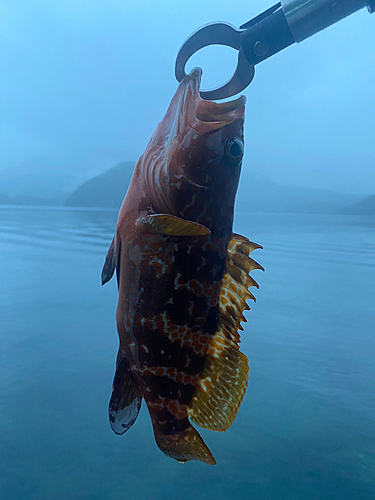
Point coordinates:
[[306, 429]]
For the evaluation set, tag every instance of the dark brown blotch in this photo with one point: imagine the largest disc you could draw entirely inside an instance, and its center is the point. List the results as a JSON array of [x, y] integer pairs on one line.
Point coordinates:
[[165, 387], [164, 352]]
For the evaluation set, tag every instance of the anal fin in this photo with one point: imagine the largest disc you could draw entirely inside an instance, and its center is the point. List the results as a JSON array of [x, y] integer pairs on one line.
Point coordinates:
[[126, 398]]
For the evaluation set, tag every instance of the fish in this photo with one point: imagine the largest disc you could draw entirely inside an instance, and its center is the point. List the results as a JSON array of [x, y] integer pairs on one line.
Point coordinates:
[[183, 277]]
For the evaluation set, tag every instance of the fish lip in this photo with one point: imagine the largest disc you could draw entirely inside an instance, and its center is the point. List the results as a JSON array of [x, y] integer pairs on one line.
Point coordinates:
[[195, 77], [202, 111]]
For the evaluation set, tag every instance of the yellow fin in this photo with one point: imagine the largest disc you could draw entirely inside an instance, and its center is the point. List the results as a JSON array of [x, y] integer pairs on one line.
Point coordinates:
[[184, 446], [172, 225], [223, 383], [220, 391], [236, 283]]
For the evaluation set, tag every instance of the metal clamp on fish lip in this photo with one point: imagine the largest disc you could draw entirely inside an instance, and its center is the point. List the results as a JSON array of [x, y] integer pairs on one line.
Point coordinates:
[[217, 34], [275, 29]]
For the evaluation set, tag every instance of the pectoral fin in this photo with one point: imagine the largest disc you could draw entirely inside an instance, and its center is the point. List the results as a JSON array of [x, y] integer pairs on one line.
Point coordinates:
[[126, 398], [109, 264], [172, 225]]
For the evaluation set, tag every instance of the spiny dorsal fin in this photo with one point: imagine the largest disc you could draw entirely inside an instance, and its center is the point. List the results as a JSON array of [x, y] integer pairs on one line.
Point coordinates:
[[172, 225], [222, 386]]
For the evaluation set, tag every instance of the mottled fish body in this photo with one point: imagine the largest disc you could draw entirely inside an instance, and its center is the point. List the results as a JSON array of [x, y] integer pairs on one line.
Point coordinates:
[[183, 277]]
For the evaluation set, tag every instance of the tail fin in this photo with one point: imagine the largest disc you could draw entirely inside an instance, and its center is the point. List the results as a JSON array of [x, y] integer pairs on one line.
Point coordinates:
[[126, 398], [184, 446]]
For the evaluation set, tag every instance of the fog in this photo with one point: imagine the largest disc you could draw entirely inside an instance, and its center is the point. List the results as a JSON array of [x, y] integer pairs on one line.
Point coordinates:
[[84, 84]]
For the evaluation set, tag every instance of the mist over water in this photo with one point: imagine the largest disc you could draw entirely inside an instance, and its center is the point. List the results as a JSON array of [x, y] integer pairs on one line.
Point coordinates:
[[87, 82], [306, 429]]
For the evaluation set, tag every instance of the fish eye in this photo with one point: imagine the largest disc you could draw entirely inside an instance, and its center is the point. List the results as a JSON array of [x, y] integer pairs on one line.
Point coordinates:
[[234, 149]]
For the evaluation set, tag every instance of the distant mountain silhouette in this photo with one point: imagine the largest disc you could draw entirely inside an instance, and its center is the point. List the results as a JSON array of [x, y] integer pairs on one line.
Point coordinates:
[[105, 190], [256, 193], [366, 206], [35, 183]]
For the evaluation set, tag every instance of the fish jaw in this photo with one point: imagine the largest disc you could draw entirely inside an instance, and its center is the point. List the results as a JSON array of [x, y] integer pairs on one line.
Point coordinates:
[[188, 110]]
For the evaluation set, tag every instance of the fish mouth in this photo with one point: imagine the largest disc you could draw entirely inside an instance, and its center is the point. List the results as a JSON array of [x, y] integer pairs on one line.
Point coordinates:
[[203, 115]]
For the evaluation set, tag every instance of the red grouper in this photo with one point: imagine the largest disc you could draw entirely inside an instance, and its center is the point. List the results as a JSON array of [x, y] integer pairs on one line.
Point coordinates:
[[183, 277]]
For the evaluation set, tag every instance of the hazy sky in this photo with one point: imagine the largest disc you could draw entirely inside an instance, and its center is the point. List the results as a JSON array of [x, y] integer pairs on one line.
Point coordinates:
[[84, 83]]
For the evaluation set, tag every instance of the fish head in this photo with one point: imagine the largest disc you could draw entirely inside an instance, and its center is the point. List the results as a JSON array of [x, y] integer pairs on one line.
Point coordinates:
[[193, 161]]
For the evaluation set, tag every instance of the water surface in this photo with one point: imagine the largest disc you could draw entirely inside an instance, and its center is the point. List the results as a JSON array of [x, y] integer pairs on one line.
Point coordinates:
[[306, 429]]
